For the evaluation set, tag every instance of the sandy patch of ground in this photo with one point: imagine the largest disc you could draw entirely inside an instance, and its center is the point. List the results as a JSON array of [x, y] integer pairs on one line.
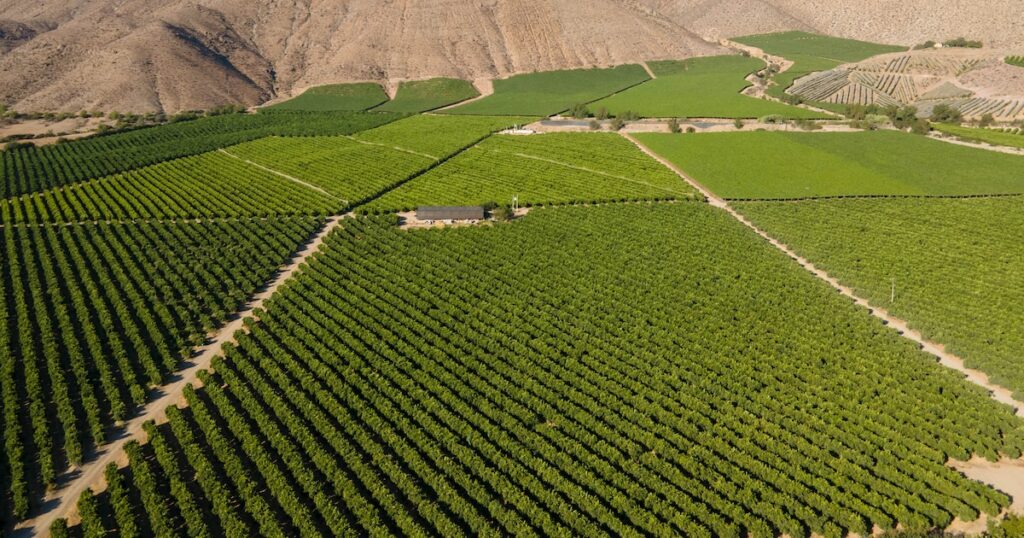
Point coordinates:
[[1005, 475], [995, 79], [79, 126]]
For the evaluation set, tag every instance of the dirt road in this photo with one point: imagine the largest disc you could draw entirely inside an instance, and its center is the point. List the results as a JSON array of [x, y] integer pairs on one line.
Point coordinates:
[[63, 501]]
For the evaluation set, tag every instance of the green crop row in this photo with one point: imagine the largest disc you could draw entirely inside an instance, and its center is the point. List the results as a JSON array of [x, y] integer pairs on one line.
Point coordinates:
[[96, 314], [630, 370], [213, 185], [951, 268], [31, 169], [541, 169]]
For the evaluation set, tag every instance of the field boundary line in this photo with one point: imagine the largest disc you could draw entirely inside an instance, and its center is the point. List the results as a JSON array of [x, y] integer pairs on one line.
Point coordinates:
[[945, 358], [589, 170], [396, 148], [64, 499], [282, 174], [987, 146]]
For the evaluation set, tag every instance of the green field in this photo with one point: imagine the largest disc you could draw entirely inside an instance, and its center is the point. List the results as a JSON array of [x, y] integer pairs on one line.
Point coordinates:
[[550, 92], [437, 135], [540, 169], [32, 169], [1015, 60], [97, 314], [637, 370], [950, 267], [699, 88], [424, 95], [811, 52], [212, 185], [356, 96], [802, 165], [1010, 137]]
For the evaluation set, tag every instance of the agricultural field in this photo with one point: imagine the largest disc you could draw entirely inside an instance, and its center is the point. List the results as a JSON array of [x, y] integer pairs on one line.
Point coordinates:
[[772, 165], [1015, 60], [1011, 137], [31, 169], [951, 267], [643, 369], [699, 88], [212, 185], [810, 53], [540, 169], [439, 135], [423, 95], [550, 92], [335, 97], [96, 314]]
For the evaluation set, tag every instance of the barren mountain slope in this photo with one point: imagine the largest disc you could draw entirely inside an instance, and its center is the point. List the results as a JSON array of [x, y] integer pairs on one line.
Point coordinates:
[[141, 55]]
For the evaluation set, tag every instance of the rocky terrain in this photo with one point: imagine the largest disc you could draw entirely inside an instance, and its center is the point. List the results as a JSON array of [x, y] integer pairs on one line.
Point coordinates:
[[140, 55]]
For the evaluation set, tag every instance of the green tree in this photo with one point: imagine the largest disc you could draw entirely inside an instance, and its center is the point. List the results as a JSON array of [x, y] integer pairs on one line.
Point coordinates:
[[944, 113]]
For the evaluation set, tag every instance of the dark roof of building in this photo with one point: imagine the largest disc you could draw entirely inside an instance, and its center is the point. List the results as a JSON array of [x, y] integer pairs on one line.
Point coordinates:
[[450, 213]]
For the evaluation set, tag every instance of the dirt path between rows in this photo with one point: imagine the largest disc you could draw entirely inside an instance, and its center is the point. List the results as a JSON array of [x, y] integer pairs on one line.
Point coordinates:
[[976, 145], [62, 502], [650, 72], [946, 359], [281, 174]]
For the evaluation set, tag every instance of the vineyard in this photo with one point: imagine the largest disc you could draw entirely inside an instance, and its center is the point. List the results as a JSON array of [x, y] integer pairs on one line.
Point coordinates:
[[424, 95], [540, 169], [336, 97], [628, 370], [780, 165], [699, 88], [550, 92], [1015, 60], [949, 267], [439, 136], [213, 185], [31, 169], [96, 314]]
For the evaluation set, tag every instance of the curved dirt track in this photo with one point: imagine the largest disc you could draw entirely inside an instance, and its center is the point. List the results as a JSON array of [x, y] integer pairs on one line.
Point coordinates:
[[946, 359], [63, 501]]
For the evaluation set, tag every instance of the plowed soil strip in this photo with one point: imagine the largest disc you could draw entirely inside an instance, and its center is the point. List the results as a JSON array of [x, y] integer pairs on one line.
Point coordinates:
[[949, 360]]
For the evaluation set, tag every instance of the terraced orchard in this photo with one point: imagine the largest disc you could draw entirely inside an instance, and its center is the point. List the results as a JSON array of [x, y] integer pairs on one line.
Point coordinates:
[[540, 169], [96, 314], [952, 268], [625, 370]]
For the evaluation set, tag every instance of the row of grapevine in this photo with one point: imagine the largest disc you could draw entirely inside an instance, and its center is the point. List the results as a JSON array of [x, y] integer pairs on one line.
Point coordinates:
[[362, 167], [535, 379], [540, 169], [213, 185], [438, 135], [95, 314], [30, 169], [951, 267]]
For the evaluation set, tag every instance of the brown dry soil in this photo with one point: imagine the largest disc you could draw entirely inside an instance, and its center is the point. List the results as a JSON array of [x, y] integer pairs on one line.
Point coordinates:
[[138, 56]]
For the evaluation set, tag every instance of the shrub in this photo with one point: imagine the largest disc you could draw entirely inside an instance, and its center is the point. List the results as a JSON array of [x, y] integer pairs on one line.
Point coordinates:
[[690, 129], [673, 126], [579, 111], [601, 114], [618, 124], [986, 121], [595, 125], [738, 123], [921, 126], [962, 42], [773, 119], [946, 114]]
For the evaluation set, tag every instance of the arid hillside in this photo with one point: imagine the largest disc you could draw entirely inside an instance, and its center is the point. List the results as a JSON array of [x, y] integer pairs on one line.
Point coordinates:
[[140, 55]]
